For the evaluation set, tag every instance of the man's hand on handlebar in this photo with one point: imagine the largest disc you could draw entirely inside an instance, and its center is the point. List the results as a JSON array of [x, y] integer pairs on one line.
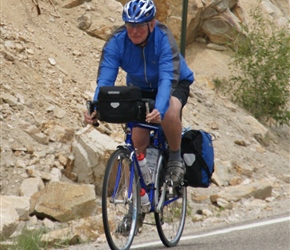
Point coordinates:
[[90, 115], [91, 119], [153, 117]]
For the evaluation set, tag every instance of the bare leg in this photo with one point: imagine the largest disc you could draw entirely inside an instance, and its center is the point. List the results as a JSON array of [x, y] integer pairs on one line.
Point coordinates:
[[141, 139], [172, 125]]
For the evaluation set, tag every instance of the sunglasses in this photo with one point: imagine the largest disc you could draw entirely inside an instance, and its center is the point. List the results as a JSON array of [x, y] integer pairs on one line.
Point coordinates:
[[136, 25]]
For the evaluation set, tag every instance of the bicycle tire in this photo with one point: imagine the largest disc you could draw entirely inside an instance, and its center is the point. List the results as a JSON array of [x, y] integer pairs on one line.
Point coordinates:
[[119, 208], [170, 220]]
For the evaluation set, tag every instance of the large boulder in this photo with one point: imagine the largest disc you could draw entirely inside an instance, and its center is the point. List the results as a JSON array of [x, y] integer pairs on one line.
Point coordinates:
[[91, 149], [63, 201], [9, 221], [13, 209]]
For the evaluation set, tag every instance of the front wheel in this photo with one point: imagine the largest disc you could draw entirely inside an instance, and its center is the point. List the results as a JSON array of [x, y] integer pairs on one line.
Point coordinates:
[[120, 200], [170, 220]]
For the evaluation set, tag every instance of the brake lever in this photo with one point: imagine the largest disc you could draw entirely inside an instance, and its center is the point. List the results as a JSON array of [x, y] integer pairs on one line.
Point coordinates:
[[147, 108]]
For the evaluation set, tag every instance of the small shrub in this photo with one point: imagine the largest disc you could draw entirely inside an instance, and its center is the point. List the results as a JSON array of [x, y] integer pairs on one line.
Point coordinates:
[[260, 71], [29, 240]]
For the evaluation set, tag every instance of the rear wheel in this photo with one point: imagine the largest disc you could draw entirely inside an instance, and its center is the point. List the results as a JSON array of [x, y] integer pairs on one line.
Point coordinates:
[[120, 201], [170, 220]]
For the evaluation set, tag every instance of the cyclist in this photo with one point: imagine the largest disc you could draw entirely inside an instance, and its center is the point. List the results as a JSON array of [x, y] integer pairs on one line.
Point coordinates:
[[146, 50]]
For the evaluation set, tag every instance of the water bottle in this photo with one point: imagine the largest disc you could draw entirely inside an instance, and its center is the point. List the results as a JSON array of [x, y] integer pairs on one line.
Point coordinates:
[[144, 168], [145, 203], [152, 156]]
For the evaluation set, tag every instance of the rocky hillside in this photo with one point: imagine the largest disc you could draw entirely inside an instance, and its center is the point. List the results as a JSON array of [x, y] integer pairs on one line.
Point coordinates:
[[49, 61]]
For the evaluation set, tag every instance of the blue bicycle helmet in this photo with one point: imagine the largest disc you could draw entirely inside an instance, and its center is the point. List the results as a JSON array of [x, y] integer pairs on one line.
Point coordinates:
[[139, 11]]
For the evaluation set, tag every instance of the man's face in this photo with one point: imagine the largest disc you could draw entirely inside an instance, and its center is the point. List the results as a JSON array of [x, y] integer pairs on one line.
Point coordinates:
[[138, 32]]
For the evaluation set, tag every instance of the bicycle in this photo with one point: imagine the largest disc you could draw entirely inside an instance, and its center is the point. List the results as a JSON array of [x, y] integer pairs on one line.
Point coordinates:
[[121, 201]]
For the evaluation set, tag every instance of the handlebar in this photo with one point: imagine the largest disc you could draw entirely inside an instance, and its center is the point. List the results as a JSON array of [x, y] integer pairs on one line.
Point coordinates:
[[149, 104], [93, 106]]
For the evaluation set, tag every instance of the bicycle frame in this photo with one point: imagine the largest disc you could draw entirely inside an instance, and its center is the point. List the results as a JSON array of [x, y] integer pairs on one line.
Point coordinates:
[[158, 141]]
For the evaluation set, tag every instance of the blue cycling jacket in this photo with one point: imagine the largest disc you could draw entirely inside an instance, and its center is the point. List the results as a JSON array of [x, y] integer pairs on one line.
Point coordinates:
[[158, 65]]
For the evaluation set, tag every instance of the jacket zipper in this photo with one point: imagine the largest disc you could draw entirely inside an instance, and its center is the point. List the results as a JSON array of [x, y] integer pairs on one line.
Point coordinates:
[[145, 69]]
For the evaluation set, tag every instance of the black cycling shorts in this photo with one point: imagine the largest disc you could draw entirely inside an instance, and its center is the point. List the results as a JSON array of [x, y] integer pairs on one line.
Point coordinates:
[[181, 92]]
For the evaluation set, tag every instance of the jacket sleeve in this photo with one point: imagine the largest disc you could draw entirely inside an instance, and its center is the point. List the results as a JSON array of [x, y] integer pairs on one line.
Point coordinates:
[[169, 71], [108, 66]]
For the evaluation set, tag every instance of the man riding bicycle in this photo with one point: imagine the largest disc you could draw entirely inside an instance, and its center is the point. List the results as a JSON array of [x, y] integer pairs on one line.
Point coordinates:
[[147, 51]]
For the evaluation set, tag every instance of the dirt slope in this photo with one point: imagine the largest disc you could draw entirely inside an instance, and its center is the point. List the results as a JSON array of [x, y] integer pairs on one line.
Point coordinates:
[[53, 63]]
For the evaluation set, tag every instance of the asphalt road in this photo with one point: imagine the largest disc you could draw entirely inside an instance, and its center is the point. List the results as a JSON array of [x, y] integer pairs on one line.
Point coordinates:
[[270, 234], [264, 234]]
